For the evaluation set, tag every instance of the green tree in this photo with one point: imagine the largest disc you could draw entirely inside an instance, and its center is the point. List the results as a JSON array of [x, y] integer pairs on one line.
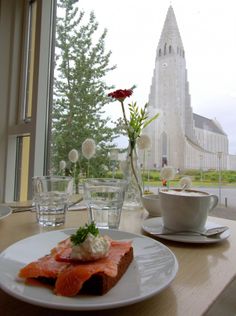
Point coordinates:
[[80, 91]]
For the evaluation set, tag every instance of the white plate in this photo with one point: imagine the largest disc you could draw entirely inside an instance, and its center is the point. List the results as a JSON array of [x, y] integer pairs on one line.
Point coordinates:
[[155, 225], [4, 211], [153, 268]]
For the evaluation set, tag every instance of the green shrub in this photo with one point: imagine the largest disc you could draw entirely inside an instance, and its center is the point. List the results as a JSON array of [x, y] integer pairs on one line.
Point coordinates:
[[213, 177], [231, 179]]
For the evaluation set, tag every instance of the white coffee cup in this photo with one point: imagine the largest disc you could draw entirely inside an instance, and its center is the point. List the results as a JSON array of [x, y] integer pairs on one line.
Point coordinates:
[[186, 210]]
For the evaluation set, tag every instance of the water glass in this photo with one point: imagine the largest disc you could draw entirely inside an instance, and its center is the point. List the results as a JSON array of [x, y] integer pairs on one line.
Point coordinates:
[[51, 196], [104, 199]]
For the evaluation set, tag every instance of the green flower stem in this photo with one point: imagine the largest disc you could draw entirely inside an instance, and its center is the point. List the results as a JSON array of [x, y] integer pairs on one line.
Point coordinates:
[[88, 170], [76, 178], [144, 164], [74, 171], [124, 115]]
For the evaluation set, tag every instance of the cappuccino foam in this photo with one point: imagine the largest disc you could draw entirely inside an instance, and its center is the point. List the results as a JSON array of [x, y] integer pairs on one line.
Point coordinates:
[[185, 193]]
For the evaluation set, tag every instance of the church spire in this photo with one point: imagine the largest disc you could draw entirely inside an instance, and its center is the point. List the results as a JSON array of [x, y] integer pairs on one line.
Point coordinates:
[[170, 40]]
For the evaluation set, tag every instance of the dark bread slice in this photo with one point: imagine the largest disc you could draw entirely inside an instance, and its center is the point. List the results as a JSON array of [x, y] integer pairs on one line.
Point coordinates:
[[100, 283]]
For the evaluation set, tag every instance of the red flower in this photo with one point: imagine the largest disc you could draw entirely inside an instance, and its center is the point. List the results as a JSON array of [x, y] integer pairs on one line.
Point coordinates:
[[121, 94], [164, 183]]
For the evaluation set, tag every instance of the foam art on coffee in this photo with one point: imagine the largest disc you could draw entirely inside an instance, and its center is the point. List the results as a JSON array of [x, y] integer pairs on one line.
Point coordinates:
[[185, 193]]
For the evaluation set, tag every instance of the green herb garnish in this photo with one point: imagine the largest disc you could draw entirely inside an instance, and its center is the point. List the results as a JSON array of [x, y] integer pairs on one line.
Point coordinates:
[[82, 233]]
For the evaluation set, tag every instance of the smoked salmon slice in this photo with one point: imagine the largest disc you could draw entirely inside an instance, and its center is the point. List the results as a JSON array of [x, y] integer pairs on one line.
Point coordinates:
[[70, 275], [46, 267], [71, 280]]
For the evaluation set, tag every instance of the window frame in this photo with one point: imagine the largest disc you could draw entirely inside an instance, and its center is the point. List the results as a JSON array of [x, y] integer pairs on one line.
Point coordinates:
[[38, 126]]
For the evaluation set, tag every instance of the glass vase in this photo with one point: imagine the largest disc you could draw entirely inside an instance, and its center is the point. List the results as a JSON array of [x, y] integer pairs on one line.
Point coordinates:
[[132, 173]]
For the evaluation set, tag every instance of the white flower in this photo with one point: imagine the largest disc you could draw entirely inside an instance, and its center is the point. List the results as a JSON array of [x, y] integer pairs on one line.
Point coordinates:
[[89, 148], [62, 165], [185, 182], [168, 173], [144, 142], [73, 155]]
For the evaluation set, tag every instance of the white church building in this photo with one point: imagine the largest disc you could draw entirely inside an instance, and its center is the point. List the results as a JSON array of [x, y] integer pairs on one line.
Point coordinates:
[[181, 138]]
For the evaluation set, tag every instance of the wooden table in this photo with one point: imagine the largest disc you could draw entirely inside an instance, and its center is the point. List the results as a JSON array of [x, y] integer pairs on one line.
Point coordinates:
[[205, 270]]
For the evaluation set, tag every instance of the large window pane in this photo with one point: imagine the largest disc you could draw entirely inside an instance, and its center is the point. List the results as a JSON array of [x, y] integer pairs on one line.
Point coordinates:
[[80, 92], [175, 73]]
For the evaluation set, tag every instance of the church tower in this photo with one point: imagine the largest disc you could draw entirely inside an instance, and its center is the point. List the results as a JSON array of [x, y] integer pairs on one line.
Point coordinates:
[[169, 95], [179, 137]]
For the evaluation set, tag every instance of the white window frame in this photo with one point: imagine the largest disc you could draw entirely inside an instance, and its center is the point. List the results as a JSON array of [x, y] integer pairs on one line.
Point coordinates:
[[37, 127]]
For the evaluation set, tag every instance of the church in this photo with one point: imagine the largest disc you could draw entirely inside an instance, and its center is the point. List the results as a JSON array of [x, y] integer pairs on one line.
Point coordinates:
[[181, 138]]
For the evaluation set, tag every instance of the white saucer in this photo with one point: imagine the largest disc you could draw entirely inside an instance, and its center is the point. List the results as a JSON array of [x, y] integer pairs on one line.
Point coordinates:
[[155, 225]]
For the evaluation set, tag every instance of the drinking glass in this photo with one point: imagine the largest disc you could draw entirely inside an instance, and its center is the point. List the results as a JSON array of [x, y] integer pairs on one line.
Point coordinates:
[[104, 199], [51, 198]]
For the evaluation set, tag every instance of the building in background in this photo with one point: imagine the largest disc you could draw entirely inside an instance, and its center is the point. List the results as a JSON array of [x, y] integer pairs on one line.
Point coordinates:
[[180, 137]]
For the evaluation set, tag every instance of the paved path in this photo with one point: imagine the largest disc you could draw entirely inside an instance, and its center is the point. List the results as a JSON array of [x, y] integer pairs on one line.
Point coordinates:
[[227, 202], [227, 196]]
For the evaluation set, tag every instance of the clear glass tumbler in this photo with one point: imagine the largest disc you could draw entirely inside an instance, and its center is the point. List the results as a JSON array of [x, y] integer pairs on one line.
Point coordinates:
[[51, 196], [104, 199]]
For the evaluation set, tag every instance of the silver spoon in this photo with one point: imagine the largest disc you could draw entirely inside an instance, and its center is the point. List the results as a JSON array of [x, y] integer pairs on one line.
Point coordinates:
[[184, 187], [208, 232]]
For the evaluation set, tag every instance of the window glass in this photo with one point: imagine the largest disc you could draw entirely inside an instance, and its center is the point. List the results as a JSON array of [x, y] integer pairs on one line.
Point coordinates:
[[30, 51], [22, 168], [28, 56], [173, 73], [79, 94]]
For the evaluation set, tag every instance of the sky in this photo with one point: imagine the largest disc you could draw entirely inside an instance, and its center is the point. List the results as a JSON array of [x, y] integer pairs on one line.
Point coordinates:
[[208, 32]]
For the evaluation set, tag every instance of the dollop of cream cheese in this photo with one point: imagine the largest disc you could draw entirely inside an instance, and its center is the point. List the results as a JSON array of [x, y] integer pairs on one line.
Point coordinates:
[[93, 248]]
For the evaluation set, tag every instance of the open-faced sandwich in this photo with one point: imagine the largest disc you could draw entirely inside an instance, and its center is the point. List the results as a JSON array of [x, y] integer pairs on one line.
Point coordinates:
[[84, 263]]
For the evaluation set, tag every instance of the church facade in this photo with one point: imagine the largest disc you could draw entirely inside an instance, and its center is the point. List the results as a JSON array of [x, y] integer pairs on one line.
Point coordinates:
[[179, 137]]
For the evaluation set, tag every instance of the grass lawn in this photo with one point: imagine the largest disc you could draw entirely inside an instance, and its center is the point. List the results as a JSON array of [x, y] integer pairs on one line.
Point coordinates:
[[199, 178], [175, 183]]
